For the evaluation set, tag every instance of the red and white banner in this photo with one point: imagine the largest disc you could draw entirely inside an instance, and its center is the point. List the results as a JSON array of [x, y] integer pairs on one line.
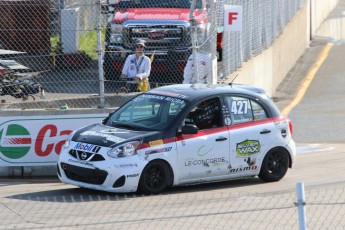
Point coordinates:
[[37, 140], [232, 18]]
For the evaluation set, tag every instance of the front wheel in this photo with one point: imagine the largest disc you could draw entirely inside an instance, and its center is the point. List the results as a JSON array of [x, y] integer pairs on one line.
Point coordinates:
[[155, 178], [274, 165]]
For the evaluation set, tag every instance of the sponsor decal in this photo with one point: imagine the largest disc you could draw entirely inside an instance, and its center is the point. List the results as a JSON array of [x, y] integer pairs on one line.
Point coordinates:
[[259, 114], [159, 97], [156, 142], [281, 124], [205, 162], [170, 94], [161, 150], [87, 147], [247, 148], [81, 162], [227, 121], [127, 165], [133, 175], [111, 131], [16, 141], [203, 152], [37, 140], [243, 169], [284, 133], [250, 161], [108, 137]]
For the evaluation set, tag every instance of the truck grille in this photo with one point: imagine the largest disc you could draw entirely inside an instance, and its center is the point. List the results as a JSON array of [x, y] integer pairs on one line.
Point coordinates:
[[85, 175], [157, 36]]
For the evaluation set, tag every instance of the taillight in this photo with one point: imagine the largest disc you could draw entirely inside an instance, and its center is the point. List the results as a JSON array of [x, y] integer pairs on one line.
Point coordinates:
[[290, 126]]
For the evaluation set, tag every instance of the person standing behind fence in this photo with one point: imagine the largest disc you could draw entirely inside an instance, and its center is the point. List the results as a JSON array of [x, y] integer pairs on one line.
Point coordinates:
[[204, 69], [137, 67]]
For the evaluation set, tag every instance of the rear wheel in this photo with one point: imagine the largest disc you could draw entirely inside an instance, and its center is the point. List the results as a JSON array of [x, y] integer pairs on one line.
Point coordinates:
[[155, 178], [274, 165]]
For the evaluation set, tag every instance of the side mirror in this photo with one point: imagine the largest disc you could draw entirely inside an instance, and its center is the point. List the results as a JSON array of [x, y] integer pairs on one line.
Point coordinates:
[[189, 129], [105, 120]]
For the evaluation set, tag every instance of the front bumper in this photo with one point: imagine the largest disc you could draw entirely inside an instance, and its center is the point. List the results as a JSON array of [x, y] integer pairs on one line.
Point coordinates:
[[112, 175]]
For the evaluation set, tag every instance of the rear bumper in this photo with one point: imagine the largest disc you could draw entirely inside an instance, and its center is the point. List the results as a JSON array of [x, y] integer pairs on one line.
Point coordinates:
[[291, 147]]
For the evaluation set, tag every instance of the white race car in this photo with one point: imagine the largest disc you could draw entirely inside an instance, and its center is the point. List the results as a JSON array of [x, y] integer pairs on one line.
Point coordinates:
[[180, 135]]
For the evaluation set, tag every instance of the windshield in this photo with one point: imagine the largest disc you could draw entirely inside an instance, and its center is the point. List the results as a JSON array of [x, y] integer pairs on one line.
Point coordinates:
[[158, 3], [147, 112]]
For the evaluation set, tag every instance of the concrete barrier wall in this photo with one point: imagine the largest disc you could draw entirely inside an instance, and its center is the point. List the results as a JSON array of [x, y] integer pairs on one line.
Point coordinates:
[[319, 12], [268, 69]]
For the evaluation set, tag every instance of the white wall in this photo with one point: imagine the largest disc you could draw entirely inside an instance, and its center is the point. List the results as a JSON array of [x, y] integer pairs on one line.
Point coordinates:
[[319, 12]]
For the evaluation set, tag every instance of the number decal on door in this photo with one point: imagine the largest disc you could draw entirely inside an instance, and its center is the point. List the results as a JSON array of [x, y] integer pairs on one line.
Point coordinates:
[[239, 107]]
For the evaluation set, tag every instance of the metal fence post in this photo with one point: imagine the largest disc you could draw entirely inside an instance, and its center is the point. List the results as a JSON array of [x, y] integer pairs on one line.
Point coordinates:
[[301, 206], [194, 43], [100, 64]]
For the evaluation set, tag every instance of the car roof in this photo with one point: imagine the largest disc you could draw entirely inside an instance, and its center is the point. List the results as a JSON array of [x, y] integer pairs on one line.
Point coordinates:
[[195, 91]]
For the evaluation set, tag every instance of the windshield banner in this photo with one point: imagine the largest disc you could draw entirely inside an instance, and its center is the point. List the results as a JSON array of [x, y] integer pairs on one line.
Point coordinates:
[[37, 140]]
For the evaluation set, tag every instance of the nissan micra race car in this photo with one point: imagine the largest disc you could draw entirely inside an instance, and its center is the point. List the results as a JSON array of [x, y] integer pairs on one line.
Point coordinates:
[[181, 135]]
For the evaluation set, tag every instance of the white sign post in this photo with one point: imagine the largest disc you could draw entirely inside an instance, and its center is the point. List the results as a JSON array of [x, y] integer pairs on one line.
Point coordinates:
[[232, 18]]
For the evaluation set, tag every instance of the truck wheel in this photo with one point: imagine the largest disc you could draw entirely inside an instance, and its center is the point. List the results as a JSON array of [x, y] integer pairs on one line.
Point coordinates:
[[274, 165], [155, 178]]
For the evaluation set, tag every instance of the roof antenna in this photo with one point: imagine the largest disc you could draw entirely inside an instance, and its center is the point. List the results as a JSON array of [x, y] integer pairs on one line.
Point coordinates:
[[233, 80]]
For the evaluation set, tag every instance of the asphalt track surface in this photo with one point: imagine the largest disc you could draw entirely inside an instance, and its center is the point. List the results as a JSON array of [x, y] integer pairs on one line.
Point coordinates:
[[318, 121]]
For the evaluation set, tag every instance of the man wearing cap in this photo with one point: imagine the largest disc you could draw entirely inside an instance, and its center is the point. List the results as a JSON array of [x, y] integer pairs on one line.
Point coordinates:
[[137, 66]]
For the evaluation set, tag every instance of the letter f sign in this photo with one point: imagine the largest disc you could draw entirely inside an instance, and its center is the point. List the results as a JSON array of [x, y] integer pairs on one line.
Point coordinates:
[[232, 17]]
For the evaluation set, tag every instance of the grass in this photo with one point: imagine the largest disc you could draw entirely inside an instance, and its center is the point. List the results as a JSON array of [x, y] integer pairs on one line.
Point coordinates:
[[87, 43]]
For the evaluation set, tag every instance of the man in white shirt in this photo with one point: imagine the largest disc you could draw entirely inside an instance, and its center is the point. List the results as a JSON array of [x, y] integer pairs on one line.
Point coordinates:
[[137, 66]]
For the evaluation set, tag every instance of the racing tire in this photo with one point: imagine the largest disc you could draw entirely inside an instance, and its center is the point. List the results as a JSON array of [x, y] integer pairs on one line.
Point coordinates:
[[274, 165], [155, 178]]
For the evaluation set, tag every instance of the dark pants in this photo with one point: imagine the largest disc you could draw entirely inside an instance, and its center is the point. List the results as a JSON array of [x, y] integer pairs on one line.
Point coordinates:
[[132, 85]]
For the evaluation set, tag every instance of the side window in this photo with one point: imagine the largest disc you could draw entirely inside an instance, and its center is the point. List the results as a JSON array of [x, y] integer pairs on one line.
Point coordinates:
[[244, 110], [205, 115], [258, 112]]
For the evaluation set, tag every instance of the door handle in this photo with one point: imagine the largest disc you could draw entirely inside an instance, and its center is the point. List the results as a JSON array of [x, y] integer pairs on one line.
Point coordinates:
[[265, 131], [221, 139]]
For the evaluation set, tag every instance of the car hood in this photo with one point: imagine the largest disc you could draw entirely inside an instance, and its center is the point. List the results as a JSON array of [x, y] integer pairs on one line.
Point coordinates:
[[155, 14], [107, 136]]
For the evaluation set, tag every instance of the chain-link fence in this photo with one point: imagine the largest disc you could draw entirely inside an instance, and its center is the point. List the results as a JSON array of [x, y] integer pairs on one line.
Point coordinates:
[[72, 208], [72, 52], [263, 22]]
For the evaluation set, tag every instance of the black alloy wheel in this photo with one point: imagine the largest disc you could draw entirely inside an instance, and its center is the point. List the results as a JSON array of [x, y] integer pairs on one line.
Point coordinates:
[[274, 165], [155, 178]]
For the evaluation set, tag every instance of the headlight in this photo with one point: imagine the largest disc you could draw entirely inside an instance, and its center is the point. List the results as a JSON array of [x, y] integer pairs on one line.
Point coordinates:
[[68, 140], [116, 33], [124, 150]]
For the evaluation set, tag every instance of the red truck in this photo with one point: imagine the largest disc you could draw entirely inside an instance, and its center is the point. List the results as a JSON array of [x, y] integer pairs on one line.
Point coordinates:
[[166, 28]]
